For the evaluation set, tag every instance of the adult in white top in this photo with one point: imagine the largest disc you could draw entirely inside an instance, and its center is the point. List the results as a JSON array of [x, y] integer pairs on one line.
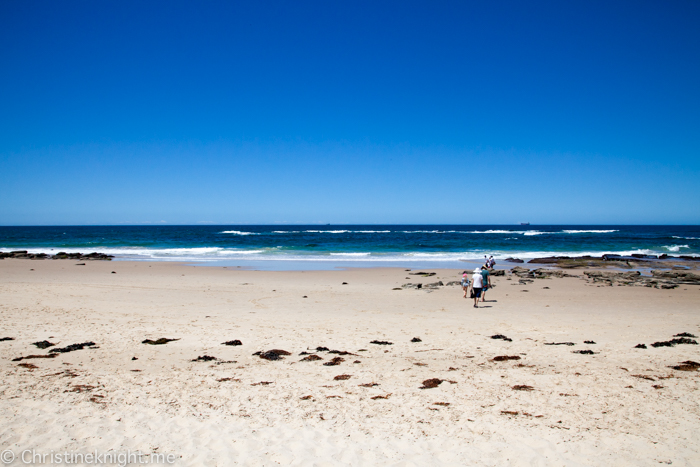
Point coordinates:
[[477, 285]]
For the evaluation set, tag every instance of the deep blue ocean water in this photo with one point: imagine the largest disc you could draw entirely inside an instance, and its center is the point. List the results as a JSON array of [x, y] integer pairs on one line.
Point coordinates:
[[352, 244]]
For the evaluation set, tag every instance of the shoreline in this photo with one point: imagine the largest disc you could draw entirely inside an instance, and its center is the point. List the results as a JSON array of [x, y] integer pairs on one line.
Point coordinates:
[[590, 409]]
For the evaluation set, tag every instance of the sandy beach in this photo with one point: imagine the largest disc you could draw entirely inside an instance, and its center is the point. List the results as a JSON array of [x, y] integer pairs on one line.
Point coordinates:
[[545, 405]]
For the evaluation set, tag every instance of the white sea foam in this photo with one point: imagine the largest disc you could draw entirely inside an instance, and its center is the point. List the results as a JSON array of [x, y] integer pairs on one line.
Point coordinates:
[[687, 238], [238, 232], [351, 254], [675, 248], [327, 231], [281, 254], [589, 231]]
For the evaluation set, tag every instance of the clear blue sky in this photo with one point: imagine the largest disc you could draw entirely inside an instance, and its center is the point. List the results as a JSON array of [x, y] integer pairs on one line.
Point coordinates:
[[561, 112]]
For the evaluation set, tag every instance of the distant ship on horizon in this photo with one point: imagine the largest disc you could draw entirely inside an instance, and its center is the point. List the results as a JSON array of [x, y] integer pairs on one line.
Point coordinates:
[[524, 223]]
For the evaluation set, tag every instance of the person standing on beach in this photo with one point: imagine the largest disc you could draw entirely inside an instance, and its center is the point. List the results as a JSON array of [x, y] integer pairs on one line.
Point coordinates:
[[477, 284], [486, 282], [465, 283]]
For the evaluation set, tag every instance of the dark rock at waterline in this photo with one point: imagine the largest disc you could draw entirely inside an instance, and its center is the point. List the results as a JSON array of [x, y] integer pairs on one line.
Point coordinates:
[[677, 277], [421, 273], [43, 344], [233, 342], [73, 347], [497, 272], [161, 341], [514, 260]]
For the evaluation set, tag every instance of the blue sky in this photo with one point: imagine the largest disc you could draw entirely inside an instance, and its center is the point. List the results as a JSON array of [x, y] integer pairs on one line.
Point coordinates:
[[577, 112]]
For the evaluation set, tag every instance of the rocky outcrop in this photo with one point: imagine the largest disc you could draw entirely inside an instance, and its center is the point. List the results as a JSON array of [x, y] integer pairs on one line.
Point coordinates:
[[677, 277], [23, 254]]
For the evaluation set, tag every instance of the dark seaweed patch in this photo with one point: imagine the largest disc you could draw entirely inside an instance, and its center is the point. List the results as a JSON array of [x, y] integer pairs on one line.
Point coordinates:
[[335, 361], [685, 334], [34, 356], [368, 385], [311, 358], [585, 352], [28, 366], [588, 342], [504, 358], [161, 341], [73, 347], [502, 337], [416, 339], [559, 343], [342, 377], [233, 342], [341, 352], [673, 342], [381, 397], [431, 383], [382, 343], [688, 365], [640, 346], [204, 358], [523, 387], [274, 354], [6, 339], [322, 349], [43, 344]]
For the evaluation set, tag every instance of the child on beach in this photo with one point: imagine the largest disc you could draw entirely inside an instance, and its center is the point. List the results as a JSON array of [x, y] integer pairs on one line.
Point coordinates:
[[465, 283]]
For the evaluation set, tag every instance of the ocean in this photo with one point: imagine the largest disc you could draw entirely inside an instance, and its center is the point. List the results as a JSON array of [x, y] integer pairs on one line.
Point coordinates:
[[329, 246]]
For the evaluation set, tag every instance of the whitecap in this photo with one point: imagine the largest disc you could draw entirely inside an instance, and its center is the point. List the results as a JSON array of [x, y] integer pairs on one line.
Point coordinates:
[[675, 248], [238, 232]]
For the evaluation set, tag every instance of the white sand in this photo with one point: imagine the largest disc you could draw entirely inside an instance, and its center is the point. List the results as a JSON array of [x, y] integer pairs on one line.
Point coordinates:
[[583, 410]]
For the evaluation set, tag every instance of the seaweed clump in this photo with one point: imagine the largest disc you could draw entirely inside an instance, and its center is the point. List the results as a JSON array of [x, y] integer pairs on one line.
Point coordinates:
[[311, 358], [274, 354], [204, 358], [336, 361], [673, 342], [431, 383], [73, 347], [504, 358], [161, 341], [382, 343], [502, 337], [233, 342], [43, 344], [688, 365]]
